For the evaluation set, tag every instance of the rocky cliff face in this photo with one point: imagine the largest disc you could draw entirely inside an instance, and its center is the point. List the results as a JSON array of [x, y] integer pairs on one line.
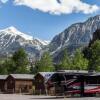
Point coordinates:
[[76, 36]]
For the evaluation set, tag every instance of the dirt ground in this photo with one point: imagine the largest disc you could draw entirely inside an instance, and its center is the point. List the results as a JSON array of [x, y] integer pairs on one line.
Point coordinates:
[[32, 97]]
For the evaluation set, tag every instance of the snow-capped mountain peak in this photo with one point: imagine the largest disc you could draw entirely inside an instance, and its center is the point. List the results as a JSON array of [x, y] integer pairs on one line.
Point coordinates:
[[13, 31], [11, 39], [11, 28]]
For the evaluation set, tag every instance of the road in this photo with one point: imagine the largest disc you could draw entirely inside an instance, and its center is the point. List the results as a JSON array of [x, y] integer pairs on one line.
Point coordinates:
[[31, 97]]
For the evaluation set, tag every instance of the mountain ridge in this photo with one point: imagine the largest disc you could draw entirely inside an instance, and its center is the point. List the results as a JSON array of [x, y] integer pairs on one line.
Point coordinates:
[[78, 35], [75, 36], [11, 39]]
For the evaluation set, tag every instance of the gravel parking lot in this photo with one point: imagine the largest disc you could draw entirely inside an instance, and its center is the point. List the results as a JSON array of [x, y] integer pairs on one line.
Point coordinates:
[[31, 97]]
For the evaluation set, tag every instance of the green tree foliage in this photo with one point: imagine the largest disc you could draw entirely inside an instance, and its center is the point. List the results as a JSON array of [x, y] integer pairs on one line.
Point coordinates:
[[87, 50], [92, 52], [20, 57], [65, 62], [45, 64], [9, 66], [94, 61], [21, 61], [33, 68], [3, 70], [18, 63], [79, 62], [96, 36]]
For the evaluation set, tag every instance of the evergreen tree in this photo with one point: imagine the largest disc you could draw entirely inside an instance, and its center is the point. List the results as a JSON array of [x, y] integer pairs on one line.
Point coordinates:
[[45, 64], [18, 63], [79, 62], [92, 51], [96, 36], [3, 69], [9, 66], [33, 68], [94, 61], [21, 61], [65, 62]]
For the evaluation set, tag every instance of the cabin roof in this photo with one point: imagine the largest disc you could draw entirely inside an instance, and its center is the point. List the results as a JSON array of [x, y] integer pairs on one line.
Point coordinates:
[[73, 71], [96, 74], [22, 76], [3, 77], [46, 75]]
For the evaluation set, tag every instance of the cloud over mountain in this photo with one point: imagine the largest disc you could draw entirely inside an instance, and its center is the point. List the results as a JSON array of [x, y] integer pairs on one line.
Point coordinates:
[[59, 6]]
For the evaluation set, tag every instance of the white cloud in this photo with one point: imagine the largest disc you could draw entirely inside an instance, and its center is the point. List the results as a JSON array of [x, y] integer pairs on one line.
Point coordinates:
[[3, 1], [65, 7], [61, 7]]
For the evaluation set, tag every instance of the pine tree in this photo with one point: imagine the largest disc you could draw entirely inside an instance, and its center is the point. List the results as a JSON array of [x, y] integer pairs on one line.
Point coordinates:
[[79, 62], [94, 61], [3, 69], [21, 61], [92, 52], [45, 64], [9, 66], [65, 62]]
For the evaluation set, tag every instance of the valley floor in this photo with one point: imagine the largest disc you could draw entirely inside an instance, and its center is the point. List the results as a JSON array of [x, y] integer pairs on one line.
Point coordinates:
[[31, 97]]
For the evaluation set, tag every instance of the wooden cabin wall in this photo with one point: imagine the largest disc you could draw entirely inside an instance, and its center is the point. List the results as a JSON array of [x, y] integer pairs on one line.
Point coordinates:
[[18, 85], [39, 84], [23, 86], [2, 85]]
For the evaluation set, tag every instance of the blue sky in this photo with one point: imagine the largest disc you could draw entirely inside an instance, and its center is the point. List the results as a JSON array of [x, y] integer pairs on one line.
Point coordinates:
[[44, 20]]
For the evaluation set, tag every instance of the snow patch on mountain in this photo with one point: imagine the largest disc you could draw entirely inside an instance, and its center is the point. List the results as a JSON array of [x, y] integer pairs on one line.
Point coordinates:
[[12, 39], [44, 42], [13, 31], [76, 36]]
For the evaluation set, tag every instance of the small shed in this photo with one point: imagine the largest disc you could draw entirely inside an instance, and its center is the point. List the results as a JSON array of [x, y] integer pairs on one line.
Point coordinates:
[[40, 82], [19, 83], [2, 82]]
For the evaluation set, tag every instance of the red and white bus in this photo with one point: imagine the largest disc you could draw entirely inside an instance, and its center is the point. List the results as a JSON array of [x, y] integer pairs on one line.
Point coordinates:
[[75, 83]]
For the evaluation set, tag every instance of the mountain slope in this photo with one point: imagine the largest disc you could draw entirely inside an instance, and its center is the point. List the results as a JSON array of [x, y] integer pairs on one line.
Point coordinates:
[[76, 36], [11, 40]]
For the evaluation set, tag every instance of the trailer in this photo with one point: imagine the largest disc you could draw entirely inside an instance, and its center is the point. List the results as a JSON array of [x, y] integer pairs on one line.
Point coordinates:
[[74, 83]]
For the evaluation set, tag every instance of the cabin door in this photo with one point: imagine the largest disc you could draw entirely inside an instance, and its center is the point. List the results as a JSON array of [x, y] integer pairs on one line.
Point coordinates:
[[10, 86]]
